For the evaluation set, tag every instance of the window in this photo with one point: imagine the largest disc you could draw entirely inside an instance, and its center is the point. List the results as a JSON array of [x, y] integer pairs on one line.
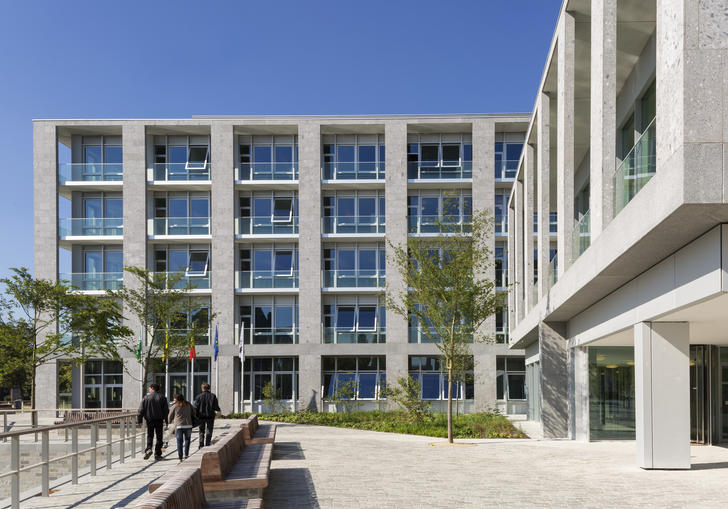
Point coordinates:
[[435, 156], [428, 371], [102, 384], [500, 211], [508, 149], [198, 263], [197, 158], [430, 210], [282, 210], [181, 157], [269, 319], [511, 378], [282, 372], [354, 319], [354, 266], [361, 378], [501, 265], [353, 157], [268, 157], [268, 266], [182, 379], [354, 212]]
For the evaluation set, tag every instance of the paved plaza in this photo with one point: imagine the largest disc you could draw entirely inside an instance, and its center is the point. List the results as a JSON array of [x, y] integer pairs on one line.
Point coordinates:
[[323, 467]]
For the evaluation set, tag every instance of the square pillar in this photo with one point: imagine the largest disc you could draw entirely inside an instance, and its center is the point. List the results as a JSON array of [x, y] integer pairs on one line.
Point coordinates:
[[511, 254], [565, 141], [528, 210], [543, 197], [578, 372], [520, 279], [662, 394], [310, 382], [554, 379], [484, 377]]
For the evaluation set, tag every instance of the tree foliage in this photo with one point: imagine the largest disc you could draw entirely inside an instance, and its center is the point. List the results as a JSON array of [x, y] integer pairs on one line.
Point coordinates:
[[445, 288], [407, 395]]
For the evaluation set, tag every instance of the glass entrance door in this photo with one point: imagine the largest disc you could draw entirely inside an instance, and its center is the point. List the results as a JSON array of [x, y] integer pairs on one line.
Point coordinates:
[[700, 390], [723, 394]]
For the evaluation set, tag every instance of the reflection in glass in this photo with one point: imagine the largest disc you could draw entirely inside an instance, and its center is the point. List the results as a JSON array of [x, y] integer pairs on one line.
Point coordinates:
[[611, 393]]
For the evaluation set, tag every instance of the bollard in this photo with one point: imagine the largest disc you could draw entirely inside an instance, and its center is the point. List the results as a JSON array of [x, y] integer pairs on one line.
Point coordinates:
[[74, 458], [94, 443], [44, 457], [108, 445], [133, 437], [122, 439]]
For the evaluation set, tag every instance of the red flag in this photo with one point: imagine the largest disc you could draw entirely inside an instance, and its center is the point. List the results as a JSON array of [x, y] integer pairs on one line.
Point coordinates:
[[193, 354]]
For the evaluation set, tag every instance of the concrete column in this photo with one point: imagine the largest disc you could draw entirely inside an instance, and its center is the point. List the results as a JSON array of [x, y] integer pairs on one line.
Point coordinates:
[[543, 198], [519, 250], [512, 292], [528, 209], [484, 376], [578, 369], [603, 112], [662, 394], [395, 138], [309, 246], [565, 141], [45, 238], [554, 380], [222, 206], [134, 249]]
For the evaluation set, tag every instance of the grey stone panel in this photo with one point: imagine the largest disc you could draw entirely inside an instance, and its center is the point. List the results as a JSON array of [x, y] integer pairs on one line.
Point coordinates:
[[554, 380]]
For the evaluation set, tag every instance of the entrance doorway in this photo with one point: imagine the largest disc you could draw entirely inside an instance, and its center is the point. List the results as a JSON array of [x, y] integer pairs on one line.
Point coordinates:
[[700, 394]]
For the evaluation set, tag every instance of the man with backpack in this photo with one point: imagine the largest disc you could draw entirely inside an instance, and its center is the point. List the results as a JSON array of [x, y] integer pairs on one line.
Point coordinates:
[[206, 408], [154, 409]]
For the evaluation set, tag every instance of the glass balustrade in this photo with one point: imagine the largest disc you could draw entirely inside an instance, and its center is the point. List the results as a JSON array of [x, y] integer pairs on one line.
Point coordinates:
[[334, 335], [90, 226], [637, 168], [267, 279], [268, 335], [89, 172], [429, 170], [440, 224], [419, 334], [181, 280], [181, 226], [353, 224], [94, 280], [177, 335], [552, 272], [353, 171], [353, 279], [581, 235], [168, 172], [266, 225], [267, 171], [506, 169]]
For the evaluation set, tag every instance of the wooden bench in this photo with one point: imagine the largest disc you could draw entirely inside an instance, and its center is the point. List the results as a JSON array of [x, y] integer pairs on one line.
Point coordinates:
[[183, 489], [256, 433], [229, 468]]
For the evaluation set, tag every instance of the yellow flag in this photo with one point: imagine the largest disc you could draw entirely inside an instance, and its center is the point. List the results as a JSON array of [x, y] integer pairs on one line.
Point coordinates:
[[166, 345]]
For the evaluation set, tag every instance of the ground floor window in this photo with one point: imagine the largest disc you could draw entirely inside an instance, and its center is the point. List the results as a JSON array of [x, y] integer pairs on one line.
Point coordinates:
[[430, 372], [510, 378], [359, 378], [102, 384], [611, 393], [282, 372], [65, 384], [181, 376]]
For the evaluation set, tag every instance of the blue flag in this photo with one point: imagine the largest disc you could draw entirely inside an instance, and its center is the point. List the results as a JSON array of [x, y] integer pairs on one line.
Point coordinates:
[[216, 347]]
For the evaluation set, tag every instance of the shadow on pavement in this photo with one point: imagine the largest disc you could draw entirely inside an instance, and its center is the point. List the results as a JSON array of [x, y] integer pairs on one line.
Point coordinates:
[[288, 451], [291, 487]]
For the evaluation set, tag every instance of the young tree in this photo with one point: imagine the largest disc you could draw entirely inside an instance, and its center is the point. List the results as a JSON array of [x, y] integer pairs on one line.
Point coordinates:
[[52, 321], [170, 319], [446, 290], [16, 358]]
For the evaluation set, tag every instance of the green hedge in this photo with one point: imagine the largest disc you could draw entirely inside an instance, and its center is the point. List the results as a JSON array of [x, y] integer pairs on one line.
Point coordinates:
[[476, 425]]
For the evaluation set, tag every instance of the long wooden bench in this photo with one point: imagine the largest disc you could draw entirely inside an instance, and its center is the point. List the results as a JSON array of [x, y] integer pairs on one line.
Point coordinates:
[[256, 433], [229, 468], [183, 489]]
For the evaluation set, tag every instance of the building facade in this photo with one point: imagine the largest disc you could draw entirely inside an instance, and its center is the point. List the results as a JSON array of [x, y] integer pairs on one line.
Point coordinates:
[[620, 305], [281, 224]]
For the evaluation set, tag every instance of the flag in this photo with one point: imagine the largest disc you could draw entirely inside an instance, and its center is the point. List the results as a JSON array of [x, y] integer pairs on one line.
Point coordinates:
[[193, 354], [139, 348], [166, 345], [242, 343], [216, 347]]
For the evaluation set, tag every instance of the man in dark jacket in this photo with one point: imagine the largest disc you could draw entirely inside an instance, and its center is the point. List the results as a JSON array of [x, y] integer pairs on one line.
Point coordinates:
[[205, 408], [154, 409]]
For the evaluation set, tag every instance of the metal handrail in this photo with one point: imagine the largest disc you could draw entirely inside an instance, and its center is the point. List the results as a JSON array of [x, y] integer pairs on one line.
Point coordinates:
[[127, 431]]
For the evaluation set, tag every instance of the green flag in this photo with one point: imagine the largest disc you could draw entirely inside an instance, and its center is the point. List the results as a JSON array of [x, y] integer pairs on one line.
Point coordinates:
[[139, 348]]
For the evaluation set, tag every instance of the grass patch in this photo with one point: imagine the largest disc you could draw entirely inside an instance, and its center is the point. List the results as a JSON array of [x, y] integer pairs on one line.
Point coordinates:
[[475, 425]]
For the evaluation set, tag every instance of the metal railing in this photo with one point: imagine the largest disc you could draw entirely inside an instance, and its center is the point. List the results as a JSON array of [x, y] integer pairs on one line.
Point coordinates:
[[266, 225], [352, 171], [334, 335], [429, 170], [267, 279], [90, 172], [581, 235], [353, 278], [637, 168], [440, 224], [267, 171], [167, 172], [179, 226], [125, 421], [94, 280], [90, 226], [199, 281], [268, 335], [353, 224]]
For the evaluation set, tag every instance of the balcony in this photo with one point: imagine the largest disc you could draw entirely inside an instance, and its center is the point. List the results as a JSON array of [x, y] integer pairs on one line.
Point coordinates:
[[353, 279], [94, 281], [333, 335], [267, 279], [424, 335], [181, 172], [266, 225], [353, 225], [181, 280], [506, 169], [439, 224], [89, 172], [90, 227], [637, 168], [267, 171], [352, 171], [270, 335], [439, 170], [581, 235], [179, 226]]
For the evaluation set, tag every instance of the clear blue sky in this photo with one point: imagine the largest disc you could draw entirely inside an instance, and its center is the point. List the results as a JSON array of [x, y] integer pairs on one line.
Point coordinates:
[[91, 59]]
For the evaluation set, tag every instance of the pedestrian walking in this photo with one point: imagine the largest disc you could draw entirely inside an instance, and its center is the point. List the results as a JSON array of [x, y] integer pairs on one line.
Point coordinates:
[[180, 416], [206, 408], [154, 409]]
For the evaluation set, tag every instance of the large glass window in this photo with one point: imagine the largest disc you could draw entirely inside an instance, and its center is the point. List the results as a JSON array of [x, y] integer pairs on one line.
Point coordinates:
[[354, 319], [439, 156], [269, 319], [268, 213], [428, 211], [182, 379], [359, 377], [354, 266], [102, 384], [353, 157], [511, 378], [268, 157], [282, 372], [430, 372], [501, 211], [508, 149], [353, 212], [182, 157], [611, 393]]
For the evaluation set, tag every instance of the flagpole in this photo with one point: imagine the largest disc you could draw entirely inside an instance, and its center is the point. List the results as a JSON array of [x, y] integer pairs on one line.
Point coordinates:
[[241, 354]]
